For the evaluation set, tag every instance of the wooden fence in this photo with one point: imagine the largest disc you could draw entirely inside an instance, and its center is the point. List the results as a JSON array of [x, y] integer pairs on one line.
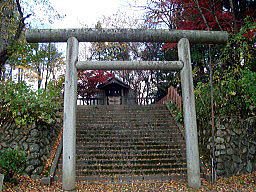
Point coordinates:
[[172, 96], [89, 101], [145, 101]]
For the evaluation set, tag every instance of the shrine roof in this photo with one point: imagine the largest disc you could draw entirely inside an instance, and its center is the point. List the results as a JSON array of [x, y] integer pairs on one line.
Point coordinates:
[[112, 82]]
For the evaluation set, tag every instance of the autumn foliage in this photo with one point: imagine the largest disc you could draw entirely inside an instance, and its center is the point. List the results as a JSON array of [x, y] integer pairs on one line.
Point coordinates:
[[213, 15], [88, 80]]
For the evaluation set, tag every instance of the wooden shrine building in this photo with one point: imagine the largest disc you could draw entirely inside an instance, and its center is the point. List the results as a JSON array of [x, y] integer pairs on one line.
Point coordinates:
[[115, 92]]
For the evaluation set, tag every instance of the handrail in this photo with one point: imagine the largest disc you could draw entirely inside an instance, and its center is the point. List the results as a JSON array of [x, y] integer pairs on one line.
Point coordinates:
[[49, 179]]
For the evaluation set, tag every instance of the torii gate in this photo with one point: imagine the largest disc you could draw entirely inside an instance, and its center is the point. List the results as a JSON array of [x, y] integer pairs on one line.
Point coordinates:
[[74, 36]]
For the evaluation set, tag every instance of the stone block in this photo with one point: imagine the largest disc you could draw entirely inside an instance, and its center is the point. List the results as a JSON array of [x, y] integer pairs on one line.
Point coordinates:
[[46, 180], [222, 147], [220, 166], [217, 153], [1, 181], [219, 133], [236, 159], [221, 127], [231, 132], [249, 167], [238, 131], [34, 133], [29, 169], [25, 146], [252, 149], [230, 151], [35, 162], [218, 147], [38, 170], [219, 160], [228, 139], [35, 177], [34, 148], [219, 140], [244, 150]]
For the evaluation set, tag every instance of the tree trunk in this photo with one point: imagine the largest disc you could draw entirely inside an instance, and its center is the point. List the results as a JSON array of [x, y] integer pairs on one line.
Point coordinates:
[[10, 36], [233, 15]]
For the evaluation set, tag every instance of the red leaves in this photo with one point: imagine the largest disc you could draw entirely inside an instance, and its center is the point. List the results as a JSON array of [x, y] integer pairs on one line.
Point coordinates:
[[198, 15], [168, 46], [252, 32], [89, 80]]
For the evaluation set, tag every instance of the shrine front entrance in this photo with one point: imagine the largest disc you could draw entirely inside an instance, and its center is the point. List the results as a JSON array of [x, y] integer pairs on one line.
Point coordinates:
[[116, 92], [114, 97]]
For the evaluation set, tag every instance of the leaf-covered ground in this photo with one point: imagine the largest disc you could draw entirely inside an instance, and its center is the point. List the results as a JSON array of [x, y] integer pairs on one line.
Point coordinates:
[[232, 184]]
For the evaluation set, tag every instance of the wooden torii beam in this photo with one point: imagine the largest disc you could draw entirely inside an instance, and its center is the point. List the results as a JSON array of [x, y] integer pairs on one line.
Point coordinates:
[[74, 36]]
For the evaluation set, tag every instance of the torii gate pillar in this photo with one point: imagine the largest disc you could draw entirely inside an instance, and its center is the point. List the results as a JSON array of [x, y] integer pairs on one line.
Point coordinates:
[[69, 124], [189, 114]]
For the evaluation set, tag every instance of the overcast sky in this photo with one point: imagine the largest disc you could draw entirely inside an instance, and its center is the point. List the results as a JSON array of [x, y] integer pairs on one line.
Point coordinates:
[[88, 12]]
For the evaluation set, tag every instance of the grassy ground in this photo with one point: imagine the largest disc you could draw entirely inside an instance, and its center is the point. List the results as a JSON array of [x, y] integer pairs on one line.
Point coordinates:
[[232, 184]]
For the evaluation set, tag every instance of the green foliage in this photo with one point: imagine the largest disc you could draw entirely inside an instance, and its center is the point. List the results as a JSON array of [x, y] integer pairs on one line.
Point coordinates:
[[11, 162], [240, 49], [20, 104], [36, 61], [232, 97], [176, 113], [234, 86]]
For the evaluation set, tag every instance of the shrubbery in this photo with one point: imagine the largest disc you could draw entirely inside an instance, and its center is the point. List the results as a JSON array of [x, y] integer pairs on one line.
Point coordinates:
[[11, 162], [19, 103]]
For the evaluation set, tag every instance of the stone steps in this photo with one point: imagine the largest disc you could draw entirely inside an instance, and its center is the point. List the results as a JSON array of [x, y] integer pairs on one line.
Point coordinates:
[[128, 179], [133, 161], [125, 143]]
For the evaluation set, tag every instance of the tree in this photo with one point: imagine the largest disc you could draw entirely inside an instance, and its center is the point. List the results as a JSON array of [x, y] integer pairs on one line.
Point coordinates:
[[240, 9], [12, 22], [224, 71], [88, 80], [13, 14], [36, 62], [54, 62]]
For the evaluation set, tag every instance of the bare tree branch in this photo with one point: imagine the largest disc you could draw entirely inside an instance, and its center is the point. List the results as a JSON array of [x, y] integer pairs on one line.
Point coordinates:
[[202, 14], [214, 14]]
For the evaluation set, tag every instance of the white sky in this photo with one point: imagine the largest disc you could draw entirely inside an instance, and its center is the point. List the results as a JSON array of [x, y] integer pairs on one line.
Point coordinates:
[[87, 12], [83, 13]]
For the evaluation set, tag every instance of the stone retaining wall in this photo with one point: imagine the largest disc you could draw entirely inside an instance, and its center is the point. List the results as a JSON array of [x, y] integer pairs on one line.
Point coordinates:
[[35, 140], [235, 146]]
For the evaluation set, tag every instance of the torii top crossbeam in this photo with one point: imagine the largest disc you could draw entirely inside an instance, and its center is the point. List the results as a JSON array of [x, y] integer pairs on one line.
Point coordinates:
[[125, 35]]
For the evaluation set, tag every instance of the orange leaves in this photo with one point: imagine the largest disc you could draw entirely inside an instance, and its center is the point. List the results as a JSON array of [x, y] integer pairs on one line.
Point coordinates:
[[236, 183]]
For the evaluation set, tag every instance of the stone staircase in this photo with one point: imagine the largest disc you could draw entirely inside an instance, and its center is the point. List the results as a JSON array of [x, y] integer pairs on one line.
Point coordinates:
[[127, 143]]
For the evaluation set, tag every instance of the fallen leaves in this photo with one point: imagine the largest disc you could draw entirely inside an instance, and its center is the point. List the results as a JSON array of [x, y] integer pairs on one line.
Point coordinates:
[[50, 159], [232, 184]]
